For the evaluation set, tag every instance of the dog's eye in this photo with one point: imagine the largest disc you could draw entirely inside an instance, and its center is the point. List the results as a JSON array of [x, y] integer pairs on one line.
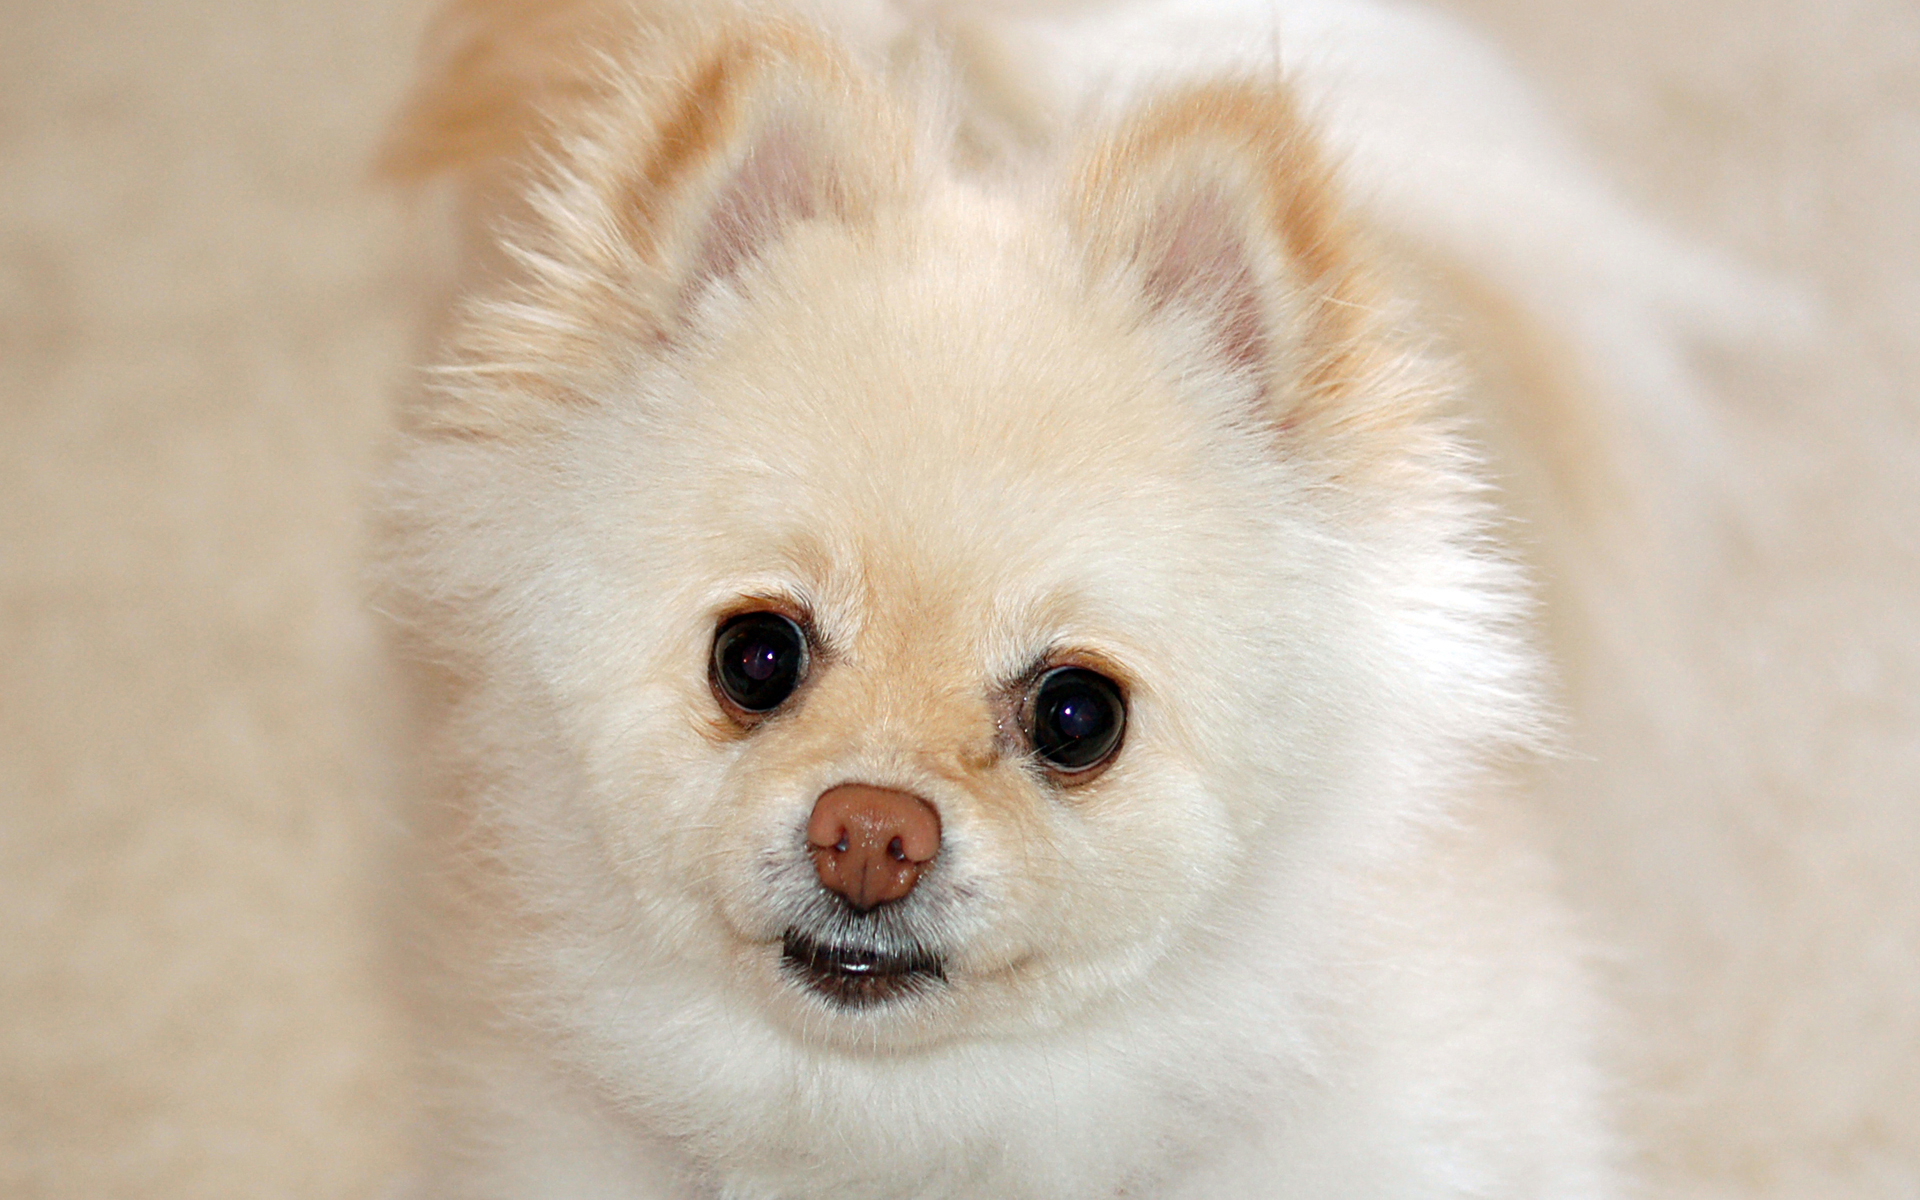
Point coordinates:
[[758, 659], [1077, 718]]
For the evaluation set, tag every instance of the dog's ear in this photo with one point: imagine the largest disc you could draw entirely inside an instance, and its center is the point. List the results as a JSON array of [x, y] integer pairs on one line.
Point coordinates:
[[630, 188], [1217, 208], [766, 129], [601, 111]]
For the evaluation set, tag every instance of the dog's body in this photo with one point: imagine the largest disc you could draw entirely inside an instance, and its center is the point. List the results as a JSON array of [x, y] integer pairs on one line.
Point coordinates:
[[978, 348]]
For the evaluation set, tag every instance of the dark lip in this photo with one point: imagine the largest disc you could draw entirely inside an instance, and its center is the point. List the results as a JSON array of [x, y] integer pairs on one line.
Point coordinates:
[[858, 976]]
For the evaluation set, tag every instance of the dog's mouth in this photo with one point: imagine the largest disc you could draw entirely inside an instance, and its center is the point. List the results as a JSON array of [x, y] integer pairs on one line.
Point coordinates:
[[859, 976]]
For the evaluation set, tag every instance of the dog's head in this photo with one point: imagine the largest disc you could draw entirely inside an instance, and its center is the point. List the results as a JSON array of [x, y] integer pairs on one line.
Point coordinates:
[[903, 607]]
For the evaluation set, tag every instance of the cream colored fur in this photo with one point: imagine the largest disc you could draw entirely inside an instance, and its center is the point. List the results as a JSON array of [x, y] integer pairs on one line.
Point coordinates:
[[208, 310], [983, 337]]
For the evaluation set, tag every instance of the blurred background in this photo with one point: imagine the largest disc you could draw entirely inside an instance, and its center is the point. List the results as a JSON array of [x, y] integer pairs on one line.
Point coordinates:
[[207, 311]]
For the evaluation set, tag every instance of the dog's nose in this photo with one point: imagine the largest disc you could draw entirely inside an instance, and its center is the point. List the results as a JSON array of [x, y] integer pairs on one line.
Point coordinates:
[[870, 844]]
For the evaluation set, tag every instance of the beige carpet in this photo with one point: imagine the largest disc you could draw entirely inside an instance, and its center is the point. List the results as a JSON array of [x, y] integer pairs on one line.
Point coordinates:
[[205, 313]]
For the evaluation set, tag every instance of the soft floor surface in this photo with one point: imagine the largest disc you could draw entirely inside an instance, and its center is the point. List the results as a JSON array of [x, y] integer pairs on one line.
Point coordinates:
[[205, 313]]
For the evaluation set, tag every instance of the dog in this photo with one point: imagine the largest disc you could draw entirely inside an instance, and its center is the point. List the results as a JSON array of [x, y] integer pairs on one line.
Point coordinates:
[[962, 642]]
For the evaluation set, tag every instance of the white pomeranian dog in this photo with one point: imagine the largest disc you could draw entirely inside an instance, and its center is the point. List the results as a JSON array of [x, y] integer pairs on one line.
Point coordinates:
[[962, 648]]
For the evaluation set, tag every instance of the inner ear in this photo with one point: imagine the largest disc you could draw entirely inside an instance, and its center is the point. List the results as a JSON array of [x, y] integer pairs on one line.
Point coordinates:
[[1199, 261], [782, 179], [1216, 205], [767, 129]]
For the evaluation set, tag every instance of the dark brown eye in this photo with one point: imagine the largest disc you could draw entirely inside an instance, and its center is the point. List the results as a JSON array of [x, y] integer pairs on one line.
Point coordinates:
[[1077, 719], [758, 659]]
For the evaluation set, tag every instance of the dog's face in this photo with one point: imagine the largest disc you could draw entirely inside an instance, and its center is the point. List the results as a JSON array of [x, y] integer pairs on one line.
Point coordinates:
[[922, 624], [942, 506]]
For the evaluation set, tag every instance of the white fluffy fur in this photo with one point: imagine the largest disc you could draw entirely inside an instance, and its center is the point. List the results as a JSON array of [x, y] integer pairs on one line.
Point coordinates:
[[1296, 942]]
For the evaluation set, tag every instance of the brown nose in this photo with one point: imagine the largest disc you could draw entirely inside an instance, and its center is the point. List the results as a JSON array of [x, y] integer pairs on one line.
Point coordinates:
[[870, 844]]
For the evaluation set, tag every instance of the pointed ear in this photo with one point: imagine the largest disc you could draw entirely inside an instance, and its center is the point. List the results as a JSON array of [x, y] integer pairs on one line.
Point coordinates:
[[637, 192], [767, 129], [1215, 206], [652, 150]]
